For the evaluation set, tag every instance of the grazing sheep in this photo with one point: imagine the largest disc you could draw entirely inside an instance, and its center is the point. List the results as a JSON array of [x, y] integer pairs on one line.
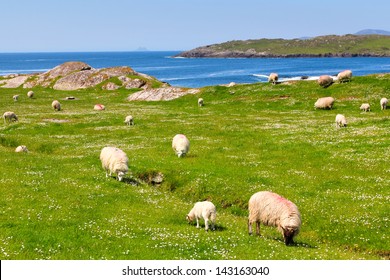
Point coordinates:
[[365, 107], [205, 210], [200, 102], [325, 81], [271, 209], [21, 148], [15, 97], [344, 76], [30, 94], [129, 120], [10, 117], [181, 145], [115, 161], [324, 103], [384, 103], [273, 78], [56, 105], [341, 121], [99, 107]]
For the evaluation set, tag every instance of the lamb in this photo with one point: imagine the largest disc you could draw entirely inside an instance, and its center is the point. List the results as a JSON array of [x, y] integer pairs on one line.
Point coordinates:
[[341, 121], [181, 145], [272, 209], [56, 105], [365, 107], [383, 103], [273, 78], [15, 97], [21, 148], [344, 76], [129, 120], [10, 117], [114, 160], [205, 210], [200, 102], [324, 103], [325, 81], [30, 94]]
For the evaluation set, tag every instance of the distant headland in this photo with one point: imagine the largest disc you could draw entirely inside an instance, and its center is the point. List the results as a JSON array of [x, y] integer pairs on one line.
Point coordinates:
[[370, 44]]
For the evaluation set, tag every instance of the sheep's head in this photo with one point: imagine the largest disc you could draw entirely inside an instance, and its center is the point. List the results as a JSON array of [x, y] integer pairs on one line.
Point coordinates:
[[288, 234], [189, 218], [121, 174]]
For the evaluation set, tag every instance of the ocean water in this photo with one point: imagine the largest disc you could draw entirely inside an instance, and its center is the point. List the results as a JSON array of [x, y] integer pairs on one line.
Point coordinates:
[[193, 72]]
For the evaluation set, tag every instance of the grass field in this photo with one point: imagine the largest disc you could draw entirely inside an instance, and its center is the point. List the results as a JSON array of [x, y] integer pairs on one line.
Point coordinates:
[[56, 202]]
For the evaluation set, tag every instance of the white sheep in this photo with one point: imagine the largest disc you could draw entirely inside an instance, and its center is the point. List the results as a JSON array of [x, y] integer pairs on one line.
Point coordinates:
[[324, 103], [341, 121], [383, 103], [273, 78], [30, 94], [365, 107], [200, 102], [271, 209], [10, 117], [181, 145], [129, 120], [56, 105], [15, 97], [114, 160], [325, 81], [344, 76], [205, 210], [21, 148]]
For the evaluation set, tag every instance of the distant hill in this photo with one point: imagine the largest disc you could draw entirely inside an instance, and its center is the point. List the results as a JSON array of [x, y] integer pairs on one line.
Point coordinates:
[[350, 45], [372, 32]]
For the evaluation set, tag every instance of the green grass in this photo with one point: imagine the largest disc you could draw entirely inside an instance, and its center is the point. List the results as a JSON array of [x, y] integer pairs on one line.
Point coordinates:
[[56, 202]]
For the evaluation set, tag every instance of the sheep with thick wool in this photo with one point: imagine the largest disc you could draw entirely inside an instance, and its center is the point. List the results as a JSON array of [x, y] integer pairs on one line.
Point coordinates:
[[56, 105], [273, 78], [30, 94], [271, 209], [15, 97], [200, 102], [129, 120], [180, 144], [205, 210], [383, 103], [365, 107], [344, 76], [325, 81], [21, 149], [324, 103], [10, 117], [341, 121], [114, 160]]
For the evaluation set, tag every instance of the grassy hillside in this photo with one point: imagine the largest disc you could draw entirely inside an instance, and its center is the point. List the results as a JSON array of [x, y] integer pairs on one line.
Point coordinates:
[[56, 202], [331, 45]]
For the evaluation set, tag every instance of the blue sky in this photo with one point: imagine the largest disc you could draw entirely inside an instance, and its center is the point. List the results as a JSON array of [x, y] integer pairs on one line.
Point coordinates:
[[119, 25]]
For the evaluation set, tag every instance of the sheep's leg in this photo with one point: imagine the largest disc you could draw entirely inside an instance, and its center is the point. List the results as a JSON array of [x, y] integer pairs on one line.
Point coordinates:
[[197, 223], [206, 224], [258, 228], [249, 227]]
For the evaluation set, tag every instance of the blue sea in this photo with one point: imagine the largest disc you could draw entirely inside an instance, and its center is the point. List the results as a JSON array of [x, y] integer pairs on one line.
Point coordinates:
[[196, 72]]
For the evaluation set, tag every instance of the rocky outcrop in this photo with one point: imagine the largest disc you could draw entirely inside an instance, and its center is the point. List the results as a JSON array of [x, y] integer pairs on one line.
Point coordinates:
[[79, 75], [161, 94], [76, 75]]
